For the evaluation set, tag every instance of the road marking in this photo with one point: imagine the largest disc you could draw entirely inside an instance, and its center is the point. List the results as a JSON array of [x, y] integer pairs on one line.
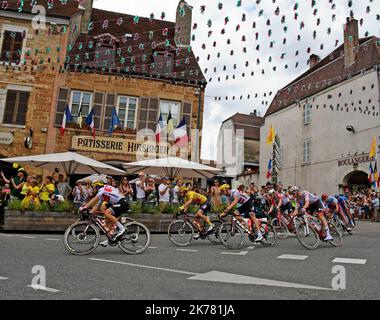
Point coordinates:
[[153, 247], [28, 237], [95, 299], [51, 239], [143, 266], [241, 253], [7, 235], [216, 276], [251, 248], [187, 250], [2, 278], [351, 261], [38, 287], [292, 257]]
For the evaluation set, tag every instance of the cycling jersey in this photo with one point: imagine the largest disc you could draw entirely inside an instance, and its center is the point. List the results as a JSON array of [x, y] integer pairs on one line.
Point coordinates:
[[285, 200], [242, 198], [196, 198], [331, 202], [307, 196], [109, 194]]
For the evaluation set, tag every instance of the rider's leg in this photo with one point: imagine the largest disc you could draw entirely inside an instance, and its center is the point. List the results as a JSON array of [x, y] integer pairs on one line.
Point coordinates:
[[109, 216], [200, 214], [256, 223], [325, 225]]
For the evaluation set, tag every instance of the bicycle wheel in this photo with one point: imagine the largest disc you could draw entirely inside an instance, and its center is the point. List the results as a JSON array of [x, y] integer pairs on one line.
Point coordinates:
[[214, 236], [336, 235], [136, 239], [181, 233], [81, 238], [338, 224], [307, 236], [280, 227], [232, 237], [269, 234]]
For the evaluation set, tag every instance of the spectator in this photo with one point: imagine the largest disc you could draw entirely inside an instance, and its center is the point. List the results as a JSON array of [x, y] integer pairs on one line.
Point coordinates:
[[56, 199], [176, 193], [47, 189], [151, 192], [126, 188], [5, 196], [79, 195], [16, 183], [32, 194], [110, 180], [141, 188], [88, 190], [164, 193], [376, 207], [216, 198], [63, 187]]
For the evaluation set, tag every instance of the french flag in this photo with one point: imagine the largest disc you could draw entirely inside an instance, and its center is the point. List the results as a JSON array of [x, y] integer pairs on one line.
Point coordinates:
[[66, 118], [160, 126], [180, 134], [90, 122], [270, 168]]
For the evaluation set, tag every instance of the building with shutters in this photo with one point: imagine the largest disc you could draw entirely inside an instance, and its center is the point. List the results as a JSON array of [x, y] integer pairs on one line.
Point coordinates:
[[91, 59], [326, 119]]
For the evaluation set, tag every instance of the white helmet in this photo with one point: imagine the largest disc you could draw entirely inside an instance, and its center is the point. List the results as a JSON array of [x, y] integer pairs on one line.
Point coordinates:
[[294, 189], [271, 192]]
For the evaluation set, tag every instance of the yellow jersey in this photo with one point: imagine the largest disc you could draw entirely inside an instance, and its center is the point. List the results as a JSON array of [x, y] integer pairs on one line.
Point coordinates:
[[45, 191], [196, 198]]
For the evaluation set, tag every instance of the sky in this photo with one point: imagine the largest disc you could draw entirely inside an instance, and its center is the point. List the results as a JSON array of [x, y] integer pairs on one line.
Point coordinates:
[[289, 57]]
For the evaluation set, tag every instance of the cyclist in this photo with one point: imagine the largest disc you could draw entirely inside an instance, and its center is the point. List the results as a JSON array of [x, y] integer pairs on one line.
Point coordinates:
[[115, 205], [192, 197], [343, 202], [333, 205], [312, 204], [245, 205]]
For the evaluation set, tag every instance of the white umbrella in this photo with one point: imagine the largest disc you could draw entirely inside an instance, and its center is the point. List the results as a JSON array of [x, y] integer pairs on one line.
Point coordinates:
[[94, 177], [68, 162], [172, 167]]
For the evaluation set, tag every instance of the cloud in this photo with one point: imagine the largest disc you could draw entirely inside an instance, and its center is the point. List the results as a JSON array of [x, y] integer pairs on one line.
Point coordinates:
[[332, 14]]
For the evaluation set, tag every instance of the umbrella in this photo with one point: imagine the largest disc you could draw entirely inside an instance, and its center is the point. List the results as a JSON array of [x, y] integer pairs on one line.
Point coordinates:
[[94, 177], [69, 162], [172, 167]]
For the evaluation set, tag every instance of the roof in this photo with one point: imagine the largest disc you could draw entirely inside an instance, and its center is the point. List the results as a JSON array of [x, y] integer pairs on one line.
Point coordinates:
[[328, 72], [58, 10], [150, 45], [249, 123]]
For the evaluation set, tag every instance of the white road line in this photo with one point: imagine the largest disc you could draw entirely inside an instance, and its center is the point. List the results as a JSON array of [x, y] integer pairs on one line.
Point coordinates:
[[38, 287], [241, 253], [51, 239], [223, 277], [350, 261], [292, 257], [251, 248], [28, 237], [95, 299], [153, 247], [143, 266], [2, 278], [7, 235], [187, 250]]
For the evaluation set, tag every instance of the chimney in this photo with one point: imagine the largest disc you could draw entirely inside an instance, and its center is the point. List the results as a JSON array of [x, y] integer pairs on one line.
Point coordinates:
[[86, 16], [314, 59], [351, 41], [183, 25], [254, 113]]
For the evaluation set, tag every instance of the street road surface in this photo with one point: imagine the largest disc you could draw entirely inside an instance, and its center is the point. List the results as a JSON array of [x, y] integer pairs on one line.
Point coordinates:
[[201, 271]]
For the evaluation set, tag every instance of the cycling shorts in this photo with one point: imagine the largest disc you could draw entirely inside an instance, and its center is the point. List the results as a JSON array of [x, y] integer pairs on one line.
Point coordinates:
[[316, 207], [245, 208], [206, 207], [122, 206], [287, 207]]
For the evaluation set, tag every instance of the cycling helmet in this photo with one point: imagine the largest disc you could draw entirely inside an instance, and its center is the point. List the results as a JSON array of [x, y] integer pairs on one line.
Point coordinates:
[[324, 196], [224, 187], [271, 192], [97, 184], [336, 195], [184, 189], [294, 189]]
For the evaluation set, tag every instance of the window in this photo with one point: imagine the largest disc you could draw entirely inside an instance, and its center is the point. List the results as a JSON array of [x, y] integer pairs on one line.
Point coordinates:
[[11, 49], [306, 154], [80, 104], [307, 114], [163, 63], [16, 106], [126, 110], [173, 107]]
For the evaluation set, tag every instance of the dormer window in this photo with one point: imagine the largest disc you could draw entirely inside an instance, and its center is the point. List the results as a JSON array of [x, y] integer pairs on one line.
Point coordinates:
[[105, 50], [163, 62], [12, 44]]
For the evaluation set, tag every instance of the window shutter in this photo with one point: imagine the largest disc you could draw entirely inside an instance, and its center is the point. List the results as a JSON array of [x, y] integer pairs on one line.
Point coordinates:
[[63, 97], [10, 106], [143, 113], [110, 104], [22, 108], [186, 112], [153, 112], [98, 106], [16, 107]]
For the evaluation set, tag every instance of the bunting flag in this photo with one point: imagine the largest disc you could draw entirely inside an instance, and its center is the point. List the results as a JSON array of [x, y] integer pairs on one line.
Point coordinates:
[[90, 122], [270, 169], [271, 136], [375, 177], [115, 121], [159, 129], [170, 125], [67, 118], [180, 134], [80, 118]]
